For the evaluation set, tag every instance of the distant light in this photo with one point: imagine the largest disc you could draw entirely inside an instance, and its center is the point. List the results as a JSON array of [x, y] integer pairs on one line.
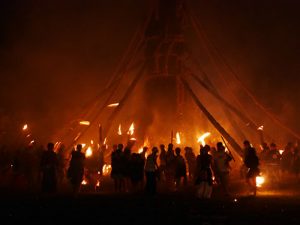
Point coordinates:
[[84, 182], [25, 127], [85, 123], [260, 128], [281, 152], [113, 105]]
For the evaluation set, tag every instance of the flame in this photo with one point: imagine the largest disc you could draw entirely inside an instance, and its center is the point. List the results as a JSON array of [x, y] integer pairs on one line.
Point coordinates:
[[83, 145], [88, 152], [84, 182], [120, 130], [140, 150], [131, 129], [261, 128], [260, 180], [25, 127], [281, 152], [178, 140], [113, 105], [201, 139], [105, 141], [85, 123], [146, 142], [31, 143], [28, 135], [92, 142], [106, 169], [98, 183]]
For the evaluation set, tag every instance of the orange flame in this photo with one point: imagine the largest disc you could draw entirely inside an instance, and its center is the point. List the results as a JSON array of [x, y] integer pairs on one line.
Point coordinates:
[[131, 129], [120, 130], [106, 169], [178, 140], [260, 180], [201, 139], [88, 152], [84, 182], [98, 183]]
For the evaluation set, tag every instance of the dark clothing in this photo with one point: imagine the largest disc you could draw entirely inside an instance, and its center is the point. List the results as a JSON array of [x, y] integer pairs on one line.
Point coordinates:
[[203, 169], [151, 182], [251, 162], [180, 167], [117, 164], [49, 165], [137, 168], [76, 168]]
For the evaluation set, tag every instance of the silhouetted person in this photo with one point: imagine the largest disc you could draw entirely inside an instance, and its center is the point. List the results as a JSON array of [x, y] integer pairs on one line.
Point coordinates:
[[49, 169], [170, 167], [163, 162], [191, 161], [180, 168], [203, 173], [76, 168], [117, 164], [222, 166], [137, 171], [251, 161], [287, 159], [151, 168]]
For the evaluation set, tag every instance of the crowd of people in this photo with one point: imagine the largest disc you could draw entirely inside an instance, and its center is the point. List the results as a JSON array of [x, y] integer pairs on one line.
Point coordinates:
[[170, 166]]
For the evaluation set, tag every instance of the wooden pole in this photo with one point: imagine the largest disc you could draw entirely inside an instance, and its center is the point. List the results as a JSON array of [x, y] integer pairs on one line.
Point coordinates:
[[213, 121], [100, 135], [124, 99]]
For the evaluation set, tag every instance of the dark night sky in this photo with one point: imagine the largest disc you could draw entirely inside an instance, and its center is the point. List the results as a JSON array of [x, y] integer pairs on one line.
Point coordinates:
[[56, 55]]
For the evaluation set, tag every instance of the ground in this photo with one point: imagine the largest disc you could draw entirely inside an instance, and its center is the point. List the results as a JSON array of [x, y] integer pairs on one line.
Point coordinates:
[[270, 206]]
